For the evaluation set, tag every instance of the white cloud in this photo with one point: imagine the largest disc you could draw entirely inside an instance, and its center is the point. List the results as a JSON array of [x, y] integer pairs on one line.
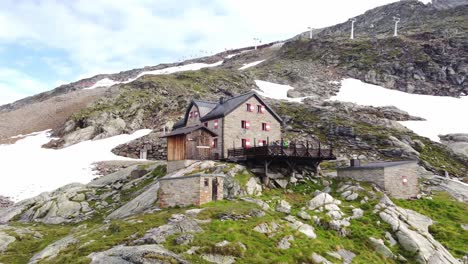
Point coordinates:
[[105, 36], [15, 85]]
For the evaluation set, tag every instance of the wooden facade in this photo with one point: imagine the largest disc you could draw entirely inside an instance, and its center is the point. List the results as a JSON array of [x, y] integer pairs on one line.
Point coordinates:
[[193, 143], [176, 147]]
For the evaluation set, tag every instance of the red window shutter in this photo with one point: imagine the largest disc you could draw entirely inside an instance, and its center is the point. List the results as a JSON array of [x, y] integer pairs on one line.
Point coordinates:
[[247, 124], [261, 109], [247, 143], [191, 115], [216, 124], [267, 127]]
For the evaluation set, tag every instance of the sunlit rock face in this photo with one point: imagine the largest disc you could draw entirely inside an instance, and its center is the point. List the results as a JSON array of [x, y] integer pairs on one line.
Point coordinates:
[[446, 4]]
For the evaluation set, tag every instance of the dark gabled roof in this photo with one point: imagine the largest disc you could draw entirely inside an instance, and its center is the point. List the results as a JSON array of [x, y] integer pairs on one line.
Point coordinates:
[[179, 124], [222, 110], [188, 130], [204, 107], [380, 164]]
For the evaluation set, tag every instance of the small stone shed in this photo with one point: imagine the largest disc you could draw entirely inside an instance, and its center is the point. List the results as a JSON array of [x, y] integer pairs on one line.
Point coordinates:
[[190, 190], [398, 178]]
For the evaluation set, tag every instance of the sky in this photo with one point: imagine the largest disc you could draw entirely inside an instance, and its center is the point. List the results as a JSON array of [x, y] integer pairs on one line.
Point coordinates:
[[46, 43]]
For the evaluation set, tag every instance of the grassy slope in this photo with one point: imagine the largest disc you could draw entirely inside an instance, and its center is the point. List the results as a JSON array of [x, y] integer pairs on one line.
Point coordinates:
[[96, 236], [448, 216]]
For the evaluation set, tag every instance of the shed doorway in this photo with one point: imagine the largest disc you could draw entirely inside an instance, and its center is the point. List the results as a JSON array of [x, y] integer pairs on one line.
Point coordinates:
[[214, 193]]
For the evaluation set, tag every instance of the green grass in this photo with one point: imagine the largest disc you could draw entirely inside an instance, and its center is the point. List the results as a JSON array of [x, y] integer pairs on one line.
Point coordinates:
[[448, 215], [26, 246]]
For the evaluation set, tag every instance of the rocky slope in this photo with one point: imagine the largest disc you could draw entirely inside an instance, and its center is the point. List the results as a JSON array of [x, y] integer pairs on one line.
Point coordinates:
[[312, 219]]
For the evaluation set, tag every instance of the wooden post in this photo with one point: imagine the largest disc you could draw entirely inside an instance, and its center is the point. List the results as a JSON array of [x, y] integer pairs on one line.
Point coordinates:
[[307, 148], [281, 148]]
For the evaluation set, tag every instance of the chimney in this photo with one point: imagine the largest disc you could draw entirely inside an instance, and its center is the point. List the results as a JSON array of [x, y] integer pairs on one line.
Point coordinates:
[[355, 162], [221, 100]]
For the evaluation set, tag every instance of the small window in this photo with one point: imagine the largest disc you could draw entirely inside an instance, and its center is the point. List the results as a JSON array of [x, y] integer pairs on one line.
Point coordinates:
[[260, 109], [215, 125], [195, 113], [191, 115], [207, 182], [262, 143], [245, 143], [250, 108], [205, 124], [265, 127], [245, 124], [214, 144]]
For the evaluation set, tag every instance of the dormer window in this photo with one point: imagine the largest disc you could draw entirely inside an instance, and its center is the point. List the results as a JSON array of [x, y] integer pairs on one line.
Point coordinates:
[[190, 114], [205, 124], [195, 114], [250, 108], [215, 124], [260, 109]]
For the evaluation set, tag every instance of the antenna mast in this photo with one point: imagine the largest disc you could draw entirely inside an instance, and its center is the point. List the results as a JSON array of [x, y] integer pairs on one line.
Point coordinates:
[[397, 20]]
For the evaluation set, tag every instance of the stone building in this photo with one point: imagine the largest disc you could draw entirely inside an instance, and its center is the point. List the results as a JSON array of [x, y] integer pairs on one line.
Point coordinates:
[[241, 121], [399, 178], [190, 190]]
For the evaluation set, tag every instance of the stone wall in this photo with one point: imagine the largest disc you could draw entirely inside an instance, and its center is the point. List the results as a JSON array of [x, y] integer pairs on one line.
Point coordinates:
[[394, 180], [374, 175], [233, 132], [156, 148], [174, 165], [181, 191], [389, 178], [188, 190]]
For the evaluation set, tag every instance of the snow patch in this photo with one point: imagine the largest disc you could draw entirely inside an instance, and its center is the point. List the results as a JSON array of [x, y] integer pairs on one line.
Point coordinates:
[[248, 65], [232, 55], [444, 115], [276, 91], [28, 169], [106, 82], [187, 67]]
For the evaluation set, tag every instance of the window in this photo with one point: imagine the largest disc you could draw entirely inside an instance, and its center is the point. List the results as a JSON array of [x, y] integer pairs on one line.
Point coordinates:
[[191, 115], [207, 182], [260, 109], [195, 113], [246, 143], [245, 124], [216, 124], [214, 144], [265, 127], [250, 108], [205, 124], [262, 143]]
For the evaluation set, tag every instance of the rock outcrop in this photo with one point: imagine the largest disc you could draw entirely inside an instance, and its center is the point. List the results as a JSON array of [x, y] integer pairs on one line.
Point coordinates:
[[447, 4], [457, 142], [411, 230], [136, 254]]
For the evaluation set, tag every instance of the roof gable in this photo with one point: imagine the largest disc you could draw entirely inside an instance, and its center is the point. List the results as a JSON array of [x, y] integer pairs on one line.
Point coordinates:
[[222, 110], [188, 130]]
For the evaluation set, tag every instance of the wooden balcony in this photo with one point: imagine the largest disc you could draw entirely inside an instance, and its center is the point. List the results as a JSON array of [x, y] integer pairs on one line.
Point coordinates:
[[294, 151]]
